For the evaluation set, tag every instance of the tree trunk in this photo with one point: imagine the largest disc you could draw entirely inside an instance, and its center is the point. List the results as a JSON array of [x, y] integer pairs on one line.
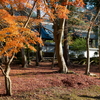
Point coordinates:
[[99, 60], [24, 59], [66, 45], [99, 41], [38, 55], [60, 58], [58, 33], [53, 59], [8, 83], [87, 72], [28, 56]]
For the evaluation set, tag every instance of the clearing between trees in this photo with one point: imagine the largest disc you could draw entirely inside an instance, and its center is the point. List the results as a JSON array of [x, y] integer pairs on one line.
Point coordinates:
[[44, 83]]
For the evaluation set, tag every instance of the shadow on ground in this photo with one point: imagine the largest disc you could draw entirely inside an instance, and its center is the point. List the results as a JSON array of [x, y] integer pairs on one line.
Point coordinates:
[[91, 97]]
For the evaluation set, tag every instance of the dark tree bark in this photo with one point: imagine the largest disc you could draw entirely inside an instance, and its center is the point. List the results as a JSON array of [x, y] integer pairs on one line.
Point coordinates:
[[53, 59], [66, 45], [24, 59], [99, 40], [38, 53]]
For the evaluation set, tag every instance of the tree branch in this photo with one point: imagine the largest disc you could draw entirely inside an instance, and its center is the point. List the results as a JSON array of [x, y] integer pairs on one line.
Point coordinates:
[[3, 72], [45, 2], [30, 14], [11, 58], [47, 29]]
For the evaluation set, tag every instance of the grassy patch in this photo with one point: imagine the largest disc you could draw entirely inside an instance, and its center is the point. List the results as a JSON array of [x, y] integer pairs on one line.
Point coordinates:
[[58, 93]]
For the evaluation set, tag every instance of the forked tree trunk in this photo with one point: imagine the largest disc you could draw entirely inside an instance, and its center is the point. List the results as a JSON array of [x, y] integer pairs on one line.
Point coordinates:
[[5, 72], [58, 33], [8, 83]]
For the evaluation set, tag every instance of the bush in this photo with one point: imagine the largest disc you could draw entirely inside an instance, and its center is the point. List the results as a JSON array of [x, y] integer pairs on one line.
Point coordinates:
[[83, 61], [94, 60], [48, 54], [81, 56], [78, 45], [72, 55]]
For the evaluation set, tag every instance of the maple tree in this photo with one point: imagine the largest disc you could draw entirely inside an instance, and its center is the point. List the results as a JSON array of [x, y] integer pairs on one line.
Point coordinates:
[[15, 34]]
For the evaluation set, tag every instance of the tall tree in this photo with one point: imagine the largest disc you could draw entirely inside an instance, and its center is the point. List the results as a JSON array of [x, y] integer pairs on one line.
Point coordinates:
[[56, 7], [92, 21], [66, 46], [38, 53], [24, 58], [99, 38]]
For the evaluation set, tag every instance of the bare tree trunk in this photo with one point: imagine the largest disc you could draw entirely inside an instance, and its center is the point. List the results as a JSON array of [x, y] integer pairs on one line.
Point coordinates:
[[6, 71], [8, 83], [58, 33], [87, 71], [60, 58], [28, 56], [99, 60], [99, 41], [38, 53], [24, 58], [53, 59], [66, 45]]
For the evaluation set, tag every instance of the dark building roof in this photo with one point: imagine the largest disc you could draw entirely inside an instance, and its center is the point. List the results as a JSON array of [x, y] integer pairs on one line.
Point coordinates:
[[83, 34], [46, 34]]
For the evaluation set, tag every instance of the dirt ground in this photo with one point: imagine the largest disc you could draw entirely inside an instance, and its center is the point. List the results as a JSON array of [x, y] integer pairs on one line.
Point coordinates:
[[43, 77]]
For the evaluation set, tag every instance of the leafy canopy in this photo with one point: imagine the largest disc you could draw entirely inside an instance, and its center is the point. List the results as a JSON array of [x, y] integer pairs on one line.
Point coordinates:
[[15, 33]]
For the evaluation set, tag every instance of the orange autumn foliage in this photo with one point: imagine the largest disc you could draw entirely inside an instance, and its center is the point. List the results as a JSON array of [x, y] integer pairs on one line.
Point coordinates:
[[78, 3], [57, 8], [14, 35]]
